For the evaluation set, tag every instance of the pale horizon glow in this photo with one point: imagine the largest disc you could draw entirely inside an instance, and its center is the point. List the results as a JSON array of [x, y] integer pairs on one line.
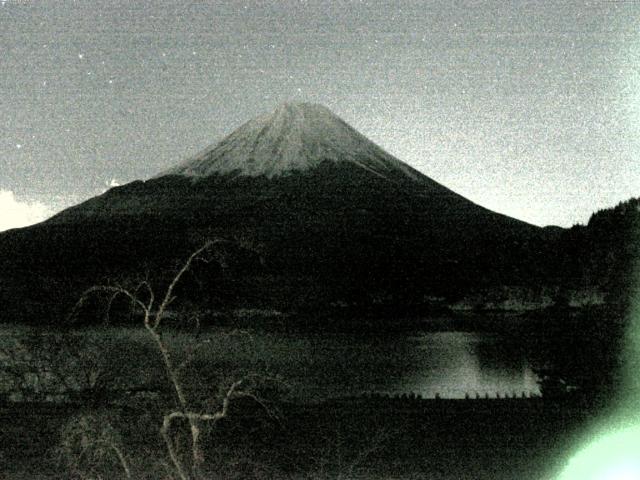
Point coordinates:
[[15, 213]]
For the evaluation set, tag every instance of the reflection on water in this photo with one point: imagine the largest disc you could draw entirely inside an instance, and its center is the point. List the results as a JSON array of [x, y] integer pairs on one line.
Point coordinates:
[[455, 364], [322, 365], [448, 364]]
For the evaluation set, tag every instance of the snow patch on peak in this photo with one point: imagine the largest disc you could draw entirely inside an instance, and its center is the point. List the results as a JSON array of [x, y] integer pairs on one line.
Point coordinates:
[[296, 136]]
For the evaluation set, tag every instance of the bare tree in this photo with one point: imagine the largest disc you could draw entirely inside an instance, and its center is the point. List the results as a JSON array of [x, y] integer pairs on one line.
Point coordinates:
[[154, 311]]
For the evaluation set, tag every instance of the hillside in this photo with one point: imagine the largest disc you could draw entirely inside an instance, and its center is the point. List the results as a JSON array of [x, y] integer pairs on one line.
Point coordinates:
[[313, 215]]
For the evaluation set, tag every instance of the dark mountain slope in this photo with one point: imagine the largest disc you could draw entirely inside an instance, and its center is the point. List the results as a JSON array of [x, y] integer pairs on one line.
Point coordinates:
[[313, 213]]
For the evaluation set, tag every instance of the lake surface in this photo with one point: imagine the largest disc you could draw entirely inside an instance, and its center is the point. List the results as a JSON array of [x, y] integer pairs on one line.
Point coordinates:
[[326, 365], [448, 364]]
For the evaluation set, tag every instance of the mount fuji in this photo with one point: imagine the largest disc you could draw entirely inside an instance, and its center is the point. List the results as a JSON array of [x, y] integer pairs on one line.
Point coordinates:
[[312, 212], [294, 137]]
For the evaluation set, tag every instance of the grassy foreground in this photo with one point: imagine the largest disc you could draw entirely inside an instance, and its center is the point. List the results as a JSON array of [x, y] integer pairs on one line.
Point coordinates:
[[358, 438]]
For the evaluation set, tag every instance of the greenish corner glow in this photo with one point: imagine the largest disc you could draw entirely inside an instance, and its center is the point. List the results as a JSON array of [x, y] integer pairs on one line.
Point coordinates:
[[614, 453], [615, 456]]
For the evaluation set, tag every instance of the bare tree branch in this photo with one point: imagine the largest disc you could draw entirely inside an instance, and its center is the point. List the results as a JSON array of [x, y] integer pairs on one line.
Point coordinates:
[[143, 297], [168, 297]]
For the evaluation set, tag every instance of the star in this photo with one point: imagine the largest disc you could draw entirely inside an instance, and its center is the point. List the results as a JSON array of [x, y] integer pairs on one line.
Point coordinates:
[[80, 56], [18, 146]]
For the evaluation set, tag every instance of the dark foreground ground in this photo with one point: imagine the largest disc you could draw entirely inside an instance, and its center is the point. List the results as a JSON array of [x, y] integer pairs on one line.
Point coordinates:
[[367, 438], [358, 438]]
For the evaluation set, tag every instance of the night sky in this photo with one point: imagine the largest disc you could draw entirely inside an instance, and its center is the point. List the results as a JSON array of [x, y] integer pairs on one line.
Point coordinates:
[[530, 108]]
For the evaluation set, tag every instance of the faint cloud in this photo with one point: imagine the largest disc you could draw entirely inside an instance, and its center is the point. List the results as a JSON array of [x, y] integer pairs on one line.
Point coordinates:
[[16, 213], [109, 185]]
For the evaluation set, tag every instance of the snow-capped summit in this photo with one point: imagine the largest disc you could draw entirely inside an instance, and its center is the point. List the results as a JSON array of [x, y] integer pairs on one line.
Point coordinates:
[[296, 136]]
